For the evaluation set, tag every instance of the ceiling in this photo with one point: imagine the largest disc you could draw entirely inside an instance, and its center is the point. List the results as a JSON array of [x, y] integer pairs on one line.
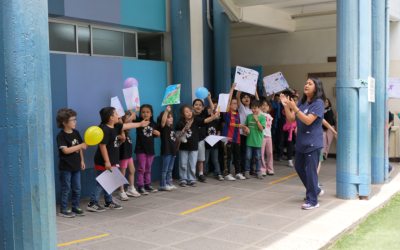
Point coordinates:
[[286, 7]]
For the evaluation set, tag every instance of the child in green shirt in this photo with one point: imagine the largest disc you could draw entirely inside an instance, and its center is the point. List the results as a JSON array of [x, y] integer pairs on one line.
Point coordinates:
[[255, 124]]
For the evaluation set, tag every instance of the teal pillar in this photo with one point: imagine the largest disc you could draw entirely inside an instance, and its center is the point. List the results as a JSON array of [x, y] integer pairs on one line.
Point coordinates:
[[353, 64], [27, 199], [222, 50]]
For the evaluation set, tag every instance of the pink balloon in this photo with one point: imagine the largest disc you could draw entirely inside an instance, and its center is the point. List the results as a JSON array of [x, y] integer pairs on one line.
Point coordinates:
[[130, 82]]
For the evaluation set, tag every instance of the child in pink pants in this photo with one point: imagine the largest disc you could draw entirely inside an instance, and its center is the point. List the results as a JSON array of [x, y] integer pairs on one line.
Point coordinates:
[[266, 147]]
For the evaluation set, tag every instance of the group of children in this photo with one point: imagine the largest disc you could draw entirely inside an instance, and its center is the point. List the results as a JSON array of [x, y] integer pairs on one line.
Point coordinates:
[[248, 124]]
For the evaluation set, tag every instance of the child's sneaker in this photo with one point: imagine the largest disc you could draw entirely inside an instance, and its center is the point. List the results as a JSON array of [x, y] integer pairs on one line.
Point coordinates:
[[112, 205], [67, 214], [78, 211], [150, 189], [193, 184], [166, 188], [172, 187], [95, 207], [202, 178], [229, 177], [220, 178], [390, 170], [142, 191], [270, 173], [182, 184], [122, 196], [264, 173], [132, 192], [308, 206], [320, 185], [240, 176], [247, 174], [259, 175], [290, 163]]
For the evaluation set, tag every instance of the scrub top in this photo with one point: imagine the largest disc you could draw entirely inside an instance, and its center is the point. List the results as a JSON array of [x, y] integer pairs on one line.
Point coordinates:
[[310, 137]]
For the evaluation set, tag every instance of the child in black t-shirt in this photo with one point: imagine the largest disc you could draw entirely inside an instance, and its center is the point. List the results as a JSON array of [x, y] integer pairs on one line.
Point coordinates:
[[168, 148], [125, 158], [107, 155], [213, 128], [144, 149], [188, 128], [200, 112], [70, 145]]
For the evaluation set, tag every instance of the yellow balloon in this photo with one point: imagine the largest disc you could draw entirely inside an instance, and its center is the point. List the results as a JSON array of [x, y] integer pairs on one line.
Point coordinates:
[[93, 135]]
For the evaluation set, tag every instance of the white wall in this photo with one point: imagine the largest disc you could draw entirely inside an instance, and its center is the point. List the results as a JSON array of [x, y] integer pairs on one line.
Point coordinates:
[[305, 47], [196, 37]]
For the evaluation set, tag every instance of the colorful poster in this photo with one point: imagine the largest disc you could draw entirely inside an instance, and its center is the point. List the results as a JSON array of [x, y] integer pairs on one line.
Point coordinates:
[[275, 83], [115, 103], [394, 87], [172, 95], [131, 96], [246, 80]]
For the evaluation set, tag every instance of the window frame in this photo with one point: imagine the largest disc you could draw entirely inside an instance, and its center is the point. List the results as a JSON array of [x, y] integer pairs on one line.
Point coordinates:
[[91, 27]]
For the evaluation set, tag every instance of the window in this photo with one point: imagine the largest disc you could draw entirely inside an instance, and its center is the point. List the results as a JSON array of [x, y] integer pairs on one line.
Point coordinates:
[[150, 46], [91, 40]]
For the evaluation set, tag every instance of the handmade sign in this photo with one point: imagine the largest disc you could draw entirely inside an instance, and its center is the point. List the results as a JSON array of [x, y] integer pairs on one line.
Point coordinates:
[[212, 139], [246, 80], [222, 103], [131, 97], [111, 180], [275, 83], [172, 95], [115, 103], [394, 87]]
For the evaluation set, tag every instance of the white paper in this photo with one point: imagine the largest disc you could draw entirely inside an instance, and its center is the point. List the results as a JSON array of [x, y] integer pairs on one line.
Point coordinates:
[[212, 139], [394, 87], [115, 103], [128, 95], [110, 181], [222, 103], [275, 83], [246, 80], [371, 89]]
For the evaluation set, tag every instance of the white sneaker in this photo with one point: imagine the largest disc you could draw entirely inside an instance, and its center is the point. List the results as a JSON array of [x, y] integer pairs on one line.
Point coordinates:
[[290, 163], [321, 193], [123, 196], [240, 176], [172, 187], [229, 177], [264, 173], [132, 192], [166, 188]]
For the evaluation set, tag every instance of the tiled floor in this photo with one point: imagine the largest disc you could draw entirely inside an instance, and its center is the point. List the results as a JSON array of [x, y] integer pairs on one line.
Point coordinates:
[[258, 215]]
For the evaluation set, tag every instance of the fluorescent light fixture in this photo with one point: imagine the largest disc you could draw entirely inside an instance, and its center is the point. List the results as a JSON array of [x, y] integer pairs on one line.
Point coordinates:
[[315, 14]]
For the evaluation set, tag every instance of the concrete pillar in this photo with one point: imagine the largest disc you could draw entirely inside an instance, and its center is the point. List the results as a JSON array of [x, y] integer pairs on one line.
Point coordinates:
[[27, 199], [353, 64], [387, 31], [378, 131], [222, 50]]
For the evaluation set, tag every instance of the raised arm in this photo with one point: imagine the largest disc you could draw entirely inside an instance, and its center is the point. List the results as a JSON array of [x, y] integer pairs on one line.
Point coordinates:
[[127, 126], [238, 93], [133, 115], [256, 94], [165, 116], [230, 96], [212, 118], [210, 102]]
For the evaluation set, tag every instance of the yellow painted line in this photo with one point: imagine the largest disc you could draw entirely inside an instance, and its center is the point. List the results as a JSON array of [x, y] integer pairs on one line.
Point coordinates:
[[91, 238], [287, 177], [209, 204]]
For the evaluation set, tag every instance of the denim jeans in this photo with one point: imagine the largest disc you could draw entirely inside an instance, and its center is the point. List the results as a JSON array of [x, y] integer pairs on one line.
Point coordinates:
[[256, 153], [70, 180], [166, 170], [187, 166], [214, 158], [98, 189]]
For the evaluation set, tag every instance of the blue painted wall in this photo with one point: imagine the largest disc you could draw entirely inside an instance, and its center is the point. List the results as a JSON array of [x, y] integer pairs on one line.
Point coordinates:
[[86, 85], [149, 15], [56, 7], [96, 10]]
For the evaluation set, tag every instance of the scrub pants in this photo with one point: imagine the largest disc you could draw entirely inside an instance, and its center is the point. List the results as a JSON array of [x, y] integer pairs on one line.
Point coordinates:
[[306, 165]]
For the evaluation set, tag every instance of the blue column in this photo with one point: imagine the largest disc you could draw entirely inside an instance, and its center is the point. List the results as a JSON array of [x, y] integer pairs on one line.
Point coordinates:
[[27, 200], [387, 29], [378, 123], [353, 64], [222, 50]]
